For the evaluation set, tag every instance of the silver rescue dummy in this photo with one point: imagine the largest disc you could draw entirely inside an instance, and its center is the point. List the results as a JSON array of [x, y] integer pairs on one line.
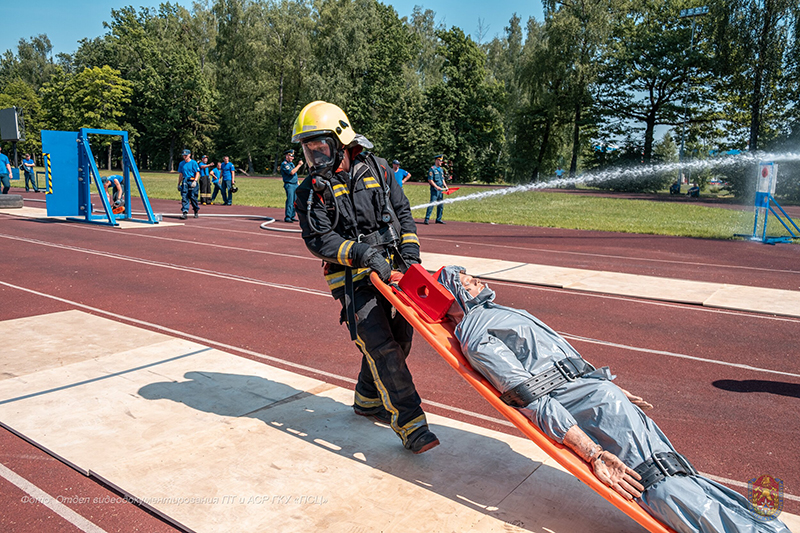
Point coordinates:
[[510, 346]]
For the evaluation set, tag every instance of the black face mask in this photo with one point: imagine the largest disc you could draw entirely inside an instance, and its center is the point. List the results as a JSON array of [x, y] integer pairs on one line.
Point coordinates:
[[324, 155]]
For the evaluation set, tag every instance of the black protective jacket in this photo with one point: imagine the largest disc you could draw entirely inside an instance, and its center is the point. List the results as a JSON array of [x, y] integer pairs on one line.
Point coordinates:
[[360, 198]]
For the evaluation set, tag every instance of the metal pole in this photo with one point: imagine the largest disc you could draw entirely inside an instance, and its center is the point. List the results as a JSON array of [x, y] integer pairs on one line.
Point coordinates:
[[685, 103], [691, 13]]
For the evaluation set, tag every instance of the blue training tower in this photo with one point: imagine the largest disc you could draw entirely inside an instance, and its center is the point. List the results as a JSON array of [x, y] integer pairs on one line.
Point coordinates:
[[71, 169]]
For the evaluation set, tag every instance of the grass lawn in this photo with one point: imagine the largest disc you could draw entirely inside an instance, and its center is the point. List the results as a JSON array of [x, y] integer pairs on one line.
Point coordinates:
[[546, 209]]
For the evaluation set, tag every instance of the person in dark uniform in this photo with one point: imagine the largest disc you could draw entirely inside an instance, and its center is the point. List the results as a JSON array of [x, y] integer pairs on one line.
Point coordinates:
[[289, 175], [356, 218], [438, 186], [205, 181]]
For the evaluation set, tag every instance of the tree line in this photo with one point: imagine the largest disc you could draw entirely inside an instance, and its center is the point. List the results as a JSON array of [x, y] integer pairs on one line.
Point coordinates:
[[585, 88]]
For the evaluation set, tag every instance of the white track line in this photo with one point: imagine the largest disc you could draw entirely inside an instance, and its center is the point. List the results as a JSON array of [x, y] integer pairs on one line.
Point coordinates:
[[609, 256], [40, 496], [323, 293], [677, 355], [658, 303], [171, 266], [292, 364]]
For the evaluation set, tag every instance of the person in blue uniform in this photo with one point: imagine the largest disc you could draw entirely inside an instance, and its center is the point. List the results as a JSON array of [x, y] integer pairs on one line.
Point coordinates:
[[228, 179], [575, 404], [5, 172], [188, 184], [289, 175], [27, 167], [438, 187], [114, 192], [215, 181], [401, 175]]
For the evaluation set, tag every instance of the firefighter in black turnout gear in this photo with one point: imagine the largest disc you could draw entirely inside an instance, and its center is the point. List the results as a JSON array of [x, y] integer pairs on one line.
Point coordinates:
[[357, 219]]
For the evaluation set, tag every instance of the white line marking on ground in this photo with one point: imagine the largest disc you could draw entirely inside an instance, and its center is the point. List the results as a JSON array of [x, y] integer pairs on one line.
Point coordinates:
[[672, 305], [742, 485], [117, 233], [204, 243], [609, 256], [172, 266], [50, 502], [673, 354], [291, 364]]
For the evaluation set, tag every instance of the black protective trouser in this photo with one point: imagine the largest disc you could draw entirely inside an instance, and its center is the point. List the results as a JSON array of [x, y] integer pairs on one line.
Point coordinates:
[[384, 338]]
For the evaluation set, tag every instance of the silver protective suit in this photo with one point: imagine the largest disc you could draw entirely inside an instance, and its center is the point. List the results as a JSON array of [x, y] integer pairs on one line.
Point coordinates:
[[507, 346]]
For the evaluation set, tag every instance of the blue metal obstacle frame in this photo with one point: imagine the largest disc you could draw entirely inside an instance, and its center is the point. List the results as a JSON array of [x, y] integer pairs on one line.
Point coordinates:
[[71, 170], [767, 179]]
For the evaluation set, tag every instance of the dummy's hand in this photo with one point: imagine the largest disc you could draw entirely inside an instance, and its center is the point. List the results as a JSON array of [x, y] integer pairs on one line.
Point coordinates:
[[379, 264], [638, 401], [610, 470]]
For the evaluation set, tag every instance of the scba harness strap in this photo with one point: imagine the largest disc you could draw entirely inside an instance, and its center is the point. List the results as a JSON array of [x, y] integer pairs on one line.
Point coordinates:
[[547, 381], [662, 465]]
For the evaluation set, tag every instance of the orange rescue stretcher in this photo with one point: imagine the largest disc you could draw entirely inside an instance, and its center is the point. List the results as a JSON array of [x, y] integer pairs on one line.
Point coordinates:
[[424, 303]]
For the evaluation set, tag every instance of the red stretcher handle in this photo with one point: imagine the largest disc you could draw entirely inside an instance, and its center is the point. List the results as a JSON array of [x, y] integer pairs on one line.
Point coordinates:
[[441, 337]]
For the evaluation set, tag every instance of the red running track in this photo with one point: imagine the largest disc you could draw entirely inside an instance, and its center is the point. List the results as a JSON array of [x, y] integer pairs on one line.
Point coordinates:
[[258, 292]]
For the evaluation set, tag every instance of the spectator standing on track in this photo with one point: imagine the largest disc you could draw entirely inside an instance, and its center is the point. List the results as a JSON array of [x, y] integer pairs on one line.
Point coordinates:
[[289, 175], [5, 172], [27, 167], [356, 219], [215, 181], [400, 174], [228, 178], [188, 180], [438, 186], [205, 181], [540, 373]]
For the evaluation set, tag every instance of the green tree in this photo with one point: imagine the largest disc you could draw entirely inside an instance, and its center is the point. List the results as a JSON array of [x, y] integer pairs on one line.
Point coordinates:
[[172, 101], [33, 62], [579, 31], [93, 98], [648, 68], [18, 93], [467, 118], [756, 42], [240, 79], [285, 27]]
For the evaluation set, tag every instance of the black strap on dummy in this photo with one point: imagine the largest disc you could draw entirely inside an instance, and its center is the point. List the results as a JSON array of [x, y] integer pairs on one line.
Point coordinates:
[[547, 381], [350, 302], [662, 465]]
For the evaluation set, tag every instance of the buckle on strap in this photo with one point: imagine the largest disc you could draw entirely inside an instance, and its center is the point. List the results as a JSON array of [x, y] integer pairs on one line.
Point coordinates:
[[565, 369], [662, 465]]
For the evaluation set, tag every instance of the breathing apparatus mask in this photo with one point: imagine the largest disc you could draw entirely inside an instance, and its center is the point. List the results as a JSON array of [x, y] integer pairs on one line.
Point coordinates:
[[323, 154]]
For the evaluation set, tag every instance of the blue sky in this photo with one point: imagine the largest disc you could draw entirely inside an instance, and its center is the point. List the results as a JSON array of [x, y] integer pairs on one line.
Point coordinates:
[[66, 22]]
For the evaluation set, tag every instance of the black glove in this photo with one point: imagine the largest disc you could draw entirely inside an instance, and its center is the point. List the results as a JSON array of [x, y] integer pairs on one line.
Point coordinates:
[[410, 254], [375, 260], [180, 187]]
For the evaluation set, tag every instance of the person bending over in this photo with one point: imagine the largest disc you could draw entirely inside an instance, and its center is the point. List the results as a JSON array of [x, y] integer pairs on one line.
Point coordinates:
[[580, 407]]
